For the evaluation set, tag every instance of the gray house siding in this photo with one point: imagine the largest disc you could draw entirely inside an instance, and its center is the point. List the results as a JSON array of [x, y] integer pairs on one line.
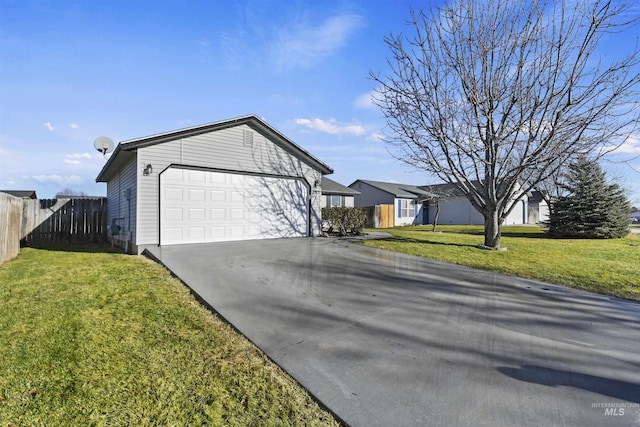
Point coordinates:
[[370, 196], [226, 149], [455, 210], [458, 210], [120, 209]]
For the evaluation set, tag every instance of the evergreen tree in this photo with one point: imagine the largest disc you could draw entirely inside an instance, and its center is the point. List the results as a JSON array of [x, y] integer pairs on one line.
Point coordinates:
[[592, 207]]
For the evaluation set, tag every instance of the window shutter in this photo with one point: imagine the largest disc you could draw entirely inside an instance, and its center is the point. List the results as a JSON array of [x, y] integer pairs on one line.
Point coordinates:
[[399, 208]]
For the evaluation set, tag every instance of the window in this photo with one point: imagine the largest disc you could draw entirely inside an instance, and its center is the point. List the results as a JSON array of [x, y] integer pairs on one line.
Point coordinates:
[[406, 208], [335, 201]]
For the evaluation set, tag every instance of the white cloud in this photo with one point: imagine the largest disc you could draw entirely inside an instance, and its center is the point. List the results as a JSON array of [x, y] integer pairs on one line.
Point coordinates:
[[365, 101], [58, 179], [331, 126], [48, 126], [75, 158], [630, 146], [376, 136], [9, 182], [74, 126], [306, 45]]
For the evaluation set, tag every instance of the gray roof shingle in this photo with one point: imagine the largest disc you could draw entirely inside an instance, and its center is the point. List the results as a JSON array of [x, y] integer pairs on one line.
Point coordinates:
[[399, 190], [329, 186]]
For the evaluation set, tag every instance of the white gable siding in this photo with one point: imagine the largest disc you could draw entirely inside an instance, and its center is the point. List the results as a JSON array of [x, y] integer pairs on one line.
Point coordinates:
[[119, 206], [518, 215], [224, 150], [415, 214]]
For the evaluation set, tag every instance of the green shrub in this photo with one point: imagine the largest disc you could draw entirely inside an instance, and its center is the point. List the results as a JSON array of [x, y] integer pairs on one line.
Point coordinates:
[[344, 221]]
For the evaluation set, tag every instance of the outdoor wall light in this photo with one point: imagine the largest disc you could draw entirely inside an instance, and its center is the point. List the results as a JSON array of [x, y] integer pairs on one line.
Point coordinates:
[[148, 170], [316, 184]]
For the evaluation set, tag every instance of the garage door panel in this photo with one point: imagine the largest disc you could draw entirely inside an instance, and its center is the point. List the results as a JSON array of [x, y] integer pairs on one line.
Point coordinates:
[[173, 234], [237, 214], [237, 231], [217, 195], [217, 233], [196, 177], [172, 175], [217, 214], [196, 214], [196, 194], [217, 178], [173, 193], [173, 214], [196, 233], [253, 216], [237, 196], [204, 206]]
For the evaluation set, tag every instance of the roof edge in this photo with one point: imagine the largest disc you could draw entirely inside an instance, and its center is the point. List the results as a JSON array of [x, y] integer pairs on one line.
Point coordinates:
[[251, 119]]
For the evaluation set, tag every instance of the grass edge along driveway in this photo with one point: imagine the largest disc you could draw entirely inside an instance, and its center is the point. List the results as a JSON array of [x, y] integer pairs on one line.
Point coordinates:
[[610, 267], [99, 338]]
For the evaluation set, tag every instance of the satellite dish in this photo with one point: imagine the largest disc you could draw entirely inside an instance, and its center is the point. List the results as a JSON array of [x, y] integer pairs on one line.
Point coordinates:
[[103, 145]]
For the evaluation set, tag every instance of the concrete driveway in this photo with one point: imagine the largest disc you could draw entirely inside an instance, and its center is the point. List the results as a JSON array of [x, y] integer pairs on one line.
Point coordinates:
[[384, 339]]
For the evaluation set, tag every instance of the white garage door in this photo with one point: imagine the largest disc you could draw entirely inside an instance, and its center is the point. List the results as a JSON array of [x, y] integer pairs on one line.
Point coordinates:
[[202, 206]]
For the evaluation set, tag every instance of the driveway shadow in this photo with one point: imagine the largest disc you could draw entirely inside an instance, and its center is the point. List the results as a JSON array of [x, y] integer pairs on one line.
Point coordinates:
[[617, 389], [425, 242]]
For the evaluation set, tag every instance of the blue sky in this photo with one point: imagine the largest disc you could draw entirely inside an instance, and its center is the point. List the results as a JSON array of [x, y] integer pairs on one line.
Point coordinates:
[[71, 71]]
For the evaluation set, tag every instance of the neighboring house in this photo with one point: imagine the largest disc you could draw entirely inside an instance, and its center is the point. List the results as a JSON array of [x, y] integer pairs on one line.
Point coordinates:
[[336, 195], [416, 204], [235, 179], [538, 208], [408, 200], [22, 194]]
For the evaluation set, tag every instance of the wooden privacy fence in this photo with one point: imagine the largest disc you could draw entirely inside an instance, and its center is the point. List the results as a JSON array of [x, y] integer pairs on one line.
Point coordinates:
[[380, 216], [10, 226], [50, 221], [65, 221]]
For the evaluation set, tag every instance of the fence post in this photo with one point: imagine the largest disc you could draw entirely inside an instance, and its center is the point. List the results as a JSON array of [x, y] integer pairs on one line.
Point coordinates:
[[11, 210]]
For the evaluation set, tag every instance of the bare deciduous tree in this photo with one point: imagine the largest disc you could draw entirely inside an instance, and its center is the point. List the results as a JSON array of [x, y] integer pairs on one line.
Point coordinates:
[[68, 192], [437, 193], [493, 96]]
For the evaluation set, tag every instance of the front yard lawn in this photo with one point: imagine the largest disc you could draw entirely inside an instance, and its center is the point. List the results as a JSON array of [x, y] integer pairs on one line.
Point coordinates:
[[98, 338], [609, 267]]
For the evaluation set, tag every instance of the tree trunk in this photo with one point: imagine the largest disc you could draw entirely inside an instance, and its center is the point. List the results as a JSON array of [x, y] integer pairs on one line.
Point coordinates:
[[492, 230], [435, 217]]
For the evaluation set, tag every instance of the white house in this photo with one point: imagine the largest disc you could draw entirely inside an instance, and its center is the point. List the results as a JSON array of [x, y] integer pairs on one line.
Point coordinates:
[[230, 180], [416, 204]]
